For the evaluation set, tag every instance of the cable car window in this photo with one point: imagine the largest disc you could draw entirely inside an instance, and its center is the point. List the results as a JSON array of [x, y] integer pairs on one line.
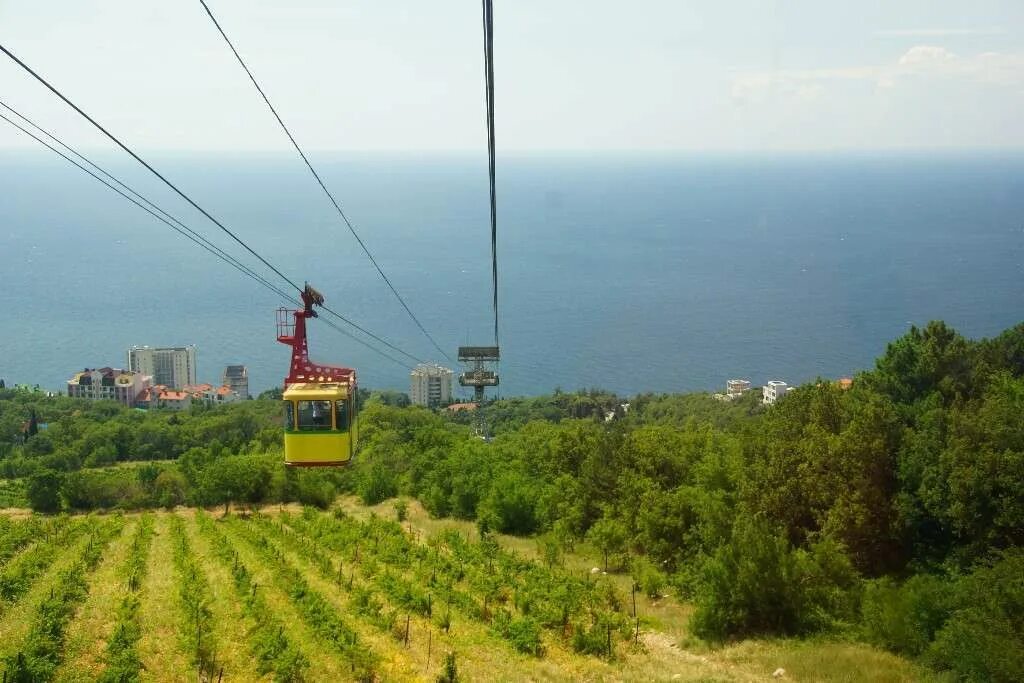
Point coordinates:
[[289, 415], [314, 415], [342, 414]]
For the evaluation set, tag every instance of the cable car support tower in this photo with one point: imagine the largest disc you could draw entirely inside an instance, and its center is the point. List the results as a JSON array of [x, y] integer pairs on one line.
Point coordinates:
[[479, 374]]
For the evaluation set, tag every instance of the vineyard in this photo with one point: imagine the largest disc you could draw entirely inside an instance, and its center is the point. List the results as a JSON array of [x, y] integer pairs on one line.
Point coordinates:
[[295, 594]]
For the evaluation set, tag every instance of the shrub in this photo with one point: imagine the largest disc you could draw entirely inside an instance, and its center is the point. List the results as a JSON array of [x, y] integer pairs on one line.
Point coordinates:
[[377, 484], [450, 673], [984, 639], [904, 618], [512, 503], [401, 510], [44, 491], [599, 637], [757, 584], [648, 578], [522, 632], [314, 489]]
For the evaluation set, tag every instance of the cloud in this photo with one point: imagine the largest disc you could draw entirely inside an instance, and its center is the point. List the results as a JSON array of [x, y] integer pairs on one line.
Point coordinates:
[[919, 62], [926, 55], [937, 32]]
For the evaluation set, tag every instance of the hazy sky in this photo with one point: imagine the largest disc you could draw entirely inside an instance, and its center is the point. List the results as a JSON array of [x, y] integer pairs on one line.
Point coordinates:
[[580, 75]]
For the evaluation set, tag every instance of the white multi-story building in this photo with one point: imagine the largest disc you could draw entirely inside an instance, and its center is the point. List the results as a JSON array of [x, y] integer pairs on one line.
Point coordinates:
[[108, 384], [237, 378], [734, 388], [431, 385], [174, 367], [773, 391]]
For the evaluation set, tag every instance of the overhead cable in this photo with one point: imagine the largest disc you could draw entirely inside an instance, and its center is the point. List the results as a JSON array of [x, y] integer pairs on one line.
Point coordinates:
[[135, 156], [323, 186], [488, 17], [184, 230], [150, 207], [142, 161]]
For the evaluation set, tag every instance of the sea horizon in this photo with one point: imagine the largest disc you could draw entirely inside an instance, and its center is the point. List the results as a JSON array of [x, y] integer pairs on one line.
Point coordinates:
[[630, 272]]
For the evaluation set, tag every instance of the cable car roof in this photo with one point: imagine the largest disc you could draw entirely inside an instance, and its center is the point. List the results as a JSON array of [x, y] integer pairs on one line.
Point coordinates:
[[313, 391]]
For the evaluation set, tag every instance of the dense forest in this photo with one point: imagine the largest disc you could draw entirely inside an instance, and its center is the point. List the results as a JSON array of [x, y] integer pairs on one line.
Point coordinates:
[[892, 511]]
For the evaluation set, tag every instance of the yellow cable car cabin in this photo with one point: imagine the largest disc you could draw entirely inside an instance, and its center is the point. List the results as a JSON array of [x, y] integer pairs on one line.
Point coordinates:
[[319, 399], [319, 425]]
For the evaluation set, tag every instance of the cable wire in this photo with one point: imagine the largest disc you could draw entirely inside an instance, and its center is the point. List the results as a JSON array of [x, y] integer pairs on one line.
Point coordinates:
[[165, 216], [320, 181], [142, 161], [135, 156], [184, 231], [488, 17]]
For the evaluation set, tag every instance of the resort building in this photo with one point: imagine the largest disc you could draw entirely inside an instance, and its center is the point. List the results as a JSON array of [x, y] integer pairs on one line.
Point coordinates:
[[431, 385], [237, 378], [734, 388], [773, 391], [108, 384], [172, 366]]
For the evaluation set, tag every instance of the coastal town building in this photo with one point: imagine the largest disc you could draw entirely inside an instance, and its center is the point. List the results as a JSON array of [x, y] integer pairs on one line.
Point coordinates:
[[108, 384], [237, 378], [431, 385], [170, 366], [735, 388], [773, 391], [211, 395], [173, 400]]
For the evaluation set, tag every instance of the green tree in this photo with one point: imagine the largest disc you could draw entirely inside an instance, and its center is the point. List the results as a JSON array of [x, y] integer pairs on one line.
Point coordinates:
[[609, 536], [43, 491]]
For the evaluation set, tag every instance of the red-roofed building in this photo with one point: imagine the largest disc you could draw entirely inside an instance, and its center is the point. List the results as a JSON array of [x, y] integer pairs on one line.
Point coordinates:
[[173, 400], [210, 395]]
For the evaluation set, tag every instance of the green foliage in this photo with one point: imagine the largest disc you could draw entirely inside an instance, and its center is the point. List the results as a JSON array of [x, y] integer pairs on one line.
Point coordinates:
[[43, 649], [17, 576], [511, 504], [758, 583], [450, 673], [648, 578], [377, 484], [122, 655], [195, 620], [609, 536], [43, 491], [269, 644], [983, 640], [522, 632], [401, 510], [905, 617], [322, 617]]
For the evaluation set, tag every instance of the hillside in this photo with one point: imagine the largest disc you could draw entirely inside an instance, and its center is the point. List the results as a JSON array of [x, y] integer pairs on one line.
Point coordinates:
[[288, 594], [811, 535]]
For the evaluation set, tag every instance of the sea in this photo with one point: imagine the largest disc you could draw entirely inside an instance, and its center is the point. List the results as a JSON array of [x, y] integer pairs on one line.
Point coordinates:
[[630, 272]]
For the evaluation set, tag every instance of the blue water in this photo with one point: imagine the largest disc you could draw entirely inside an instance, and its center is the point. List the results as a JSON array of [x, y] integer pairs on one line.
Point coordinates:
[[632, 273]]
